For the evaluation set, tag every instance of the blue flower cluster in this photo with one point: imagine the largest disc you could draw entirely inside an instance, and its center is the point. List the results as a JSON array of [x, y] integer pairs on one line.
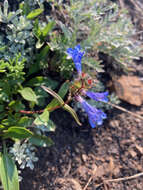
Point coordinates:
[[76, 55], [97, 96], [95, 115]]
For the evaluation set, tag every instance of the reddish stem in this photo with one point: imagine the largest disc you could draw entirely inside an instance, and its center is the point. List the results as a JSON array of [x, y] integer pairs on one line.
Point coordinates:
[[30, 112], [52, 109], [38, 111]]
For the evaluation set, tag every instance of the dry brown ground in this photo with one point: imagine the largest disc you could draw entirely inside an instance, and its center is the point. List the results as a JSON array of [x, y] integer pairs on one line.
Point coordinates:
[[113, 151]]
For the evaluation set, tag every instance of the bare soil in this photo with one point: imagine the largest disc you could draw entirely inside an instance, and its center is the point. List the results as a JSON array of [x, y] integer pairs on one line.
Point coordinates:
[[115, 150]]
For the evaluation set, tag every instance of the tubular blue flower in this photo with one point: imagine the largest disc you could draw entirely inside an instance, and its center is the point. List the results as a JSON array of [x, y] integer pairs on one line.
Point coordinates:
[[95, 115], [76, 55], [97, 96]]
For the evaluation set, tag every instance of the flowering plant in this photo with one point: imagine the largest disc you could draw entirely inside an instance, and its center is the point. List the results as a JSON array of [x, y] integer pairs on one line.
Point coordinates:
[[80, 88], [32, 45]]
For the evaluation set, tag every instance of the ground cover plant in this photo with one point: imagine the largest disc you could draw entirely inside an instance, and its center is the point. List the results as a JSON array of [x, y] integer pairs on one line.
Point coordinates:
[[51, 49]]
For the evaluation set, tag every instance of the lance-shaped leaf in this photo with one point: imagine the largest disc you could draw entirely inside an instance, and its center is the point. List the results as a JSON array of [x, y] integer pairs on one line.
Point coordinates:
[[64, 89], [47, 29], [72, 112], [62, 92], [65, 106], [8, 172], [53, 94], [34, 13], [5, 8]]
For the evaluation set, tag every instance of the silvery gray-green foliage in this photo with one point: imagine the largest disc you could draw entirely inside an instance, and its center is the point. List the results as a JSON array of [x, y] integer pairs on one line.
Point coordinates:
[[5, 15], [24, 154], [99, 26], [32, 3], [16, 34], [42, 129], [21, 35]]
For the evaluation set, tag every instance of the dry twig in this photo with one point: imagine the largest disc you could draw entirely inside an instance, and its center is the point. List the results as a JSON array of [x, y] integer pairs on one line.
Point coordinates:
[[91, 177], [68, 169], [113, 180], [120, 179], [125, 110], [85, 187]]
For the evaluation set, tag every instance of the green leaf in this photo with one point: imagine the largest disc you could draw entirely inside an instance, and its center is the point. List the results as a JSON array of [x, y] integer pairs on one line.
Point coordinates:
[[39, 44], [41, 34], [2, 48], [41, 140], [42, 119], [24, 6], [1, 108], [16, 105], [51, 126], [47, 29], [72, 112], [5, 8], [54, 103], [62, 92], [42, 96], [2, 71], [2, 115], [34, 68], [39, 57], [8, 173], [40, 80], [28, 94], [10, 120], [25, 121], [17, 132], [64, 89], [43, 54], [54, 94], [34, 13], [36, 30], [1, 127]]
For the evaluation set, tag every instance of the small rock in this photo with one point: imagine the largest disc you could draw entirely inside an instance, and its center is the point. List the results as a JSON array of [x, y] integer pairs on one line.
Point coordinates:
[[114, 123], [129, 89], [139, 148], [102, 170], [94, 168], [84, 157], [133, 153]]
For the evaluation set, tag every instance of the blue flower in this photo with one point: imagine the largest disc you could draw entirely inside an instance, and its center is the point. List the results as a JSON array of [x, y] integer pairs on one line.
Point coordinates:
[[97, 96], [95, 115], [76, 55]]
